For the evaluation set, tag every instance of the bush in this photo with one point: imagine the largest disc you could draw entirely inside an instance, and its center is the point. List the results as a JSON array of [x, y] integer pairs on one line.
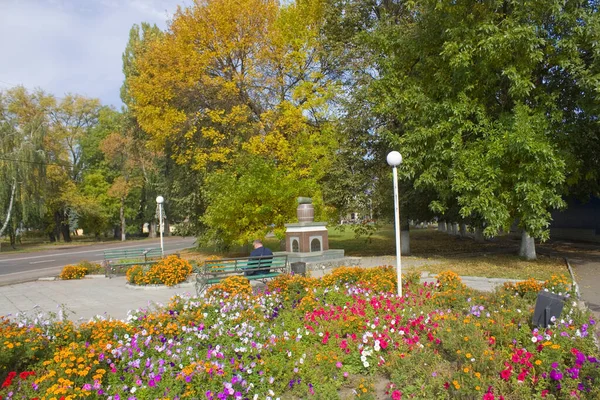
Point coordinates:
[[73, 272], [231, 286], [169, 271], [92, 268]]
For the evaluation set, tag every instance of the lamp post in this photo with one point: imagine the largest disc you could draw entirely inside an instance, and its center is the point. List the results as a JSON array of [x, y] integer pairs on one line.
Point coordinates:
[[394, 159], [160, 200]]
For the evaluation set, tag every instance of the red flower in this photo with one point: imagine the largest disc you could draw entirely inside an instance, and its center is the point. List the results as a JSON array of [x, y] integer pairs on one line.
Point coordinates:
[[446, 385], [505, 374], [25, 374], [545, 392]]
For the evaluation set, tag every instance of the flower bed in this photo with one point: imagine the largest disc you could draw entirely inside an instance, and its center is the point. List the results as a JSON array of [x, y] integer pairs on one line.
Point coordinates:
[[345, 336], [169, 271], [80, 270]]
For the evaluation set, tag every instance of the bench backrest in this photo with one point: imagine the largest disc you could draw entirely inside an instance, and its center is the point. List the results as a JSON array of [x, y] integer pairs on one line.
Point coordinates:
[[239, 265]]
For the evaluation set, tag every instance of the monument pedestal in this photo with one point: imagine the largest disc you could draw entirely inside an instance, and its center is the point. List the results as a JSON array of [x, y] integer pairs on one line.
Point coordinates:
[[306, 237], [308, 241]]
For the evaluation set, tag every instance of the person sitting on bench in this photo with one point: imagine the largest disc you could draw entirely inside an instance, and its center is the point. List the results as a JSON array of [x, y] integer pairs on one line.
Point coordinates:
[[260, 258]]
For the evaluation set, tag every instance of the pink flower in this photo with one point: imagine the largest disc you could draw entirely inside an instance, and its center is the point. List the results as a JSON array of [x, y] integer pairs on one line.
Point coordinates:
[[396, 395], [505, 374], [338, 364]]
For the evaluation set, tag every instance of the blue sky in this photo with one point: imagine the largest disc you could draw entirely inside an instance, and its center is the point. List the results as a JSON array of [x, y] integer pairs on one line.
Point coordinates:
[[72, 46]]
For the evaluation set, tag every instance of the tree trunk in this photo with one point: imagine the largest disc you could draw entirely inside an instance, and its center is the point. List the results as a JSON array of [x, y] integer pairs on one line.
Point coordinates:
[[479, 234], [66, 231], [463, 230], [404, 236], [166, 229], [453, 229], [153, 230], [527, 249], [57, 223], [10, 205], [122, 216], [442, 226]]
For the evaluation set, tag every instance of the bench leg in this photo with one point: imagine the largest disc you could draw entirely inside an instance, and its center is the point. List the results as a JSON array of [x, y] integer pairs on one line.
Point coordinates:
[[201, 283]]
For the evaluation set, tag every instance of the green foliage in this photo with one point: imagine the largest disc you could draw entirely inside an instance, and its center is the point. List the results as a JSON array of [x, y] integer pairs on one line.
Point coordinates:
[[470, 94], [250, 199]]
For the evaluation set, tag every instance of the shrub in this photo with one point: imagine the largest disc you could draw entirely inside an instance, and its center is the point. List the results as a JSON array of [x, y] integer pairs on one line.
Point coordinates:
[[169, 271], [231, 286], [92, 268], [73, 272], [284, 282], [135, 275]]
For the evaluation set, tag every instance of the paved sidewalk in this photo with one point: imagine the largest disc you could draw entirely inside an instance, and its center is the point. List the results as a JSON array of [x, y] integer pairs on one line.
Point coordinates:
[[83, 299], [111, 298]]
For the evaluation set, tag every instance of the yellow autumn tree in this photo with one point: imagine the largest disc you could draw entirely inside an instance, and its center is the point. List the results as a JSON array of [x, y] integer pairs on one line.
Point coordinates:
[[233, 80]]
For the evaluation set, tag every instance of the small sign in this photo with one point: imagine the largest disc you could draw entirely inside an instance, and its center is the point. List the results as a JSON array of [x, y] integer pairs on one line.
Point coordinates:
[[547, 305]]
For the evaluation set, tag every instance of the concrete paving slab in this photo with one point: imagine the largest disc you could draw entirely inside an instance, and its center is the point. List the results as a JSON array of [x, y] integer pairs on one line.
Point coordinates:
[[83, 299]]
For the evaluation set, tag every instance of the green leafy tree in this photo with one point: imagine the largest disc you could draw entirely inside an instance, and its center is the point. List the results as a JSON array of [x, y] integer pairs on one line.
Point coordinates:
[[250, 199], [24, 125], [479, 91]]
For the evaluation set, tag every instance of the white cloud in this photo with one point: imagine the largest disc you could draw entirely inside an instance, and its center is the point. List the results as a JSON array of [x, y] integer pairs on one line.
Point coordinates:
[[72, 46]]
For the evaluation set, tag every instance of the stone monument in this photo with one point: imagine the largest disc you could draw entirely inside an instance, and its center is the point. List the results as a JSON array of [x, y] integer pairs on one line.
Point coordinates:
[[307, 241]]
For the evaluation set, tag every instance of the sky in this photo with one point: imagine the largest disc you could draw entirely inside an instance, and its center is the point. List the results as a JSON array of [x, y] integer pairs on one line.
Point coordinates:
[[72, 46]]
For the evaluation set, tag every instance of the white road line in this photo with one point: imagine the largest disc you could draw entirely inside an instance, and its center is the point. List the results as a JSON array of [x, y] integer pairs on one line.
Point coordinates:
[[99, 251], [39, 262], [34, 271]]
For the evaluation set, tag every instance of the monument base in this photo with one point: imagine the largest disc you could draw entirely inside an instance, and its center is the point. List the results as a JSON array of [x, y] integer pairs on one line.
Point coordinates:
[[318, 260]]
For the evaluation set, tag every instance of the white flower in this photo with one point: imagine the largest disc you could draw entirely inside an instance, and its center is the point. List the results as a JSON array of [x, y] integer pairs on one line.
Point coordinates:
[[366, 364]]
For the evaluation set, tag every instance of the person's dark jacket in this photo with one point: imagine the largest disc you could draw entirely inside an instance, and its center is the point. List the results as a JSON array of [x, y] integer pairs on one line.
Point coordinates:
[[263, 260]]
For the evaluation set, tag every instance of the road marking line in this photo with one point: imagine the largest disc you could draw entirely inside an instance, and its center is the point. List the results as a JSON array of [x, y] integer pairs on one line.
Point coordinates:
[[99, 251], [39, 262]]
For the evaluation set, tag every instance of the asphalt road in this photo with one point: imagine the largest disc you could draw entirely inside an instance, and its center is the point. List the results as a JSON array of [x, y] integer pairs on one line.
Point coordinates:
[[23, 267]]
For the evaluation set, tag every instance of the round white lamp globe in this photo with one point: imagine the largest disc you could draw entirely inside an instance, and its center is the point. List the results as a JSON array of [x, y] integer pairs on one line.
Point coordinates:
[[161, 199], [394, 159]]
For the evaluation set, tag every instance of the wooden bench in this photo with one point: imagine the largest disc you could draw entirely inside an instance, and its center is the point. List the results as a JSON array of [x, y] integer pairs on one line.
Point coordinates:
[[116, 262], [263, 268]]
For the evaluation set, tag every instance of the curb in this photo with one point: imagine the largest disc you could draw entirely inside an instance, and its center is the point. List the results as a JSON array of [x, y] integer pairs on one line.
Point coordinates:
[[573, 278], [159, 287], [581, 304]]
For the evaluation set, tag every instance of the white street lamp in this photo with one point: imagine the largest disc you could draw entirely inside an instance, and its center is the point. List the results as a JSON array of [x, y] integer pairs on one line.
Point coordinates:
[[394, 159], [160, 200]]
